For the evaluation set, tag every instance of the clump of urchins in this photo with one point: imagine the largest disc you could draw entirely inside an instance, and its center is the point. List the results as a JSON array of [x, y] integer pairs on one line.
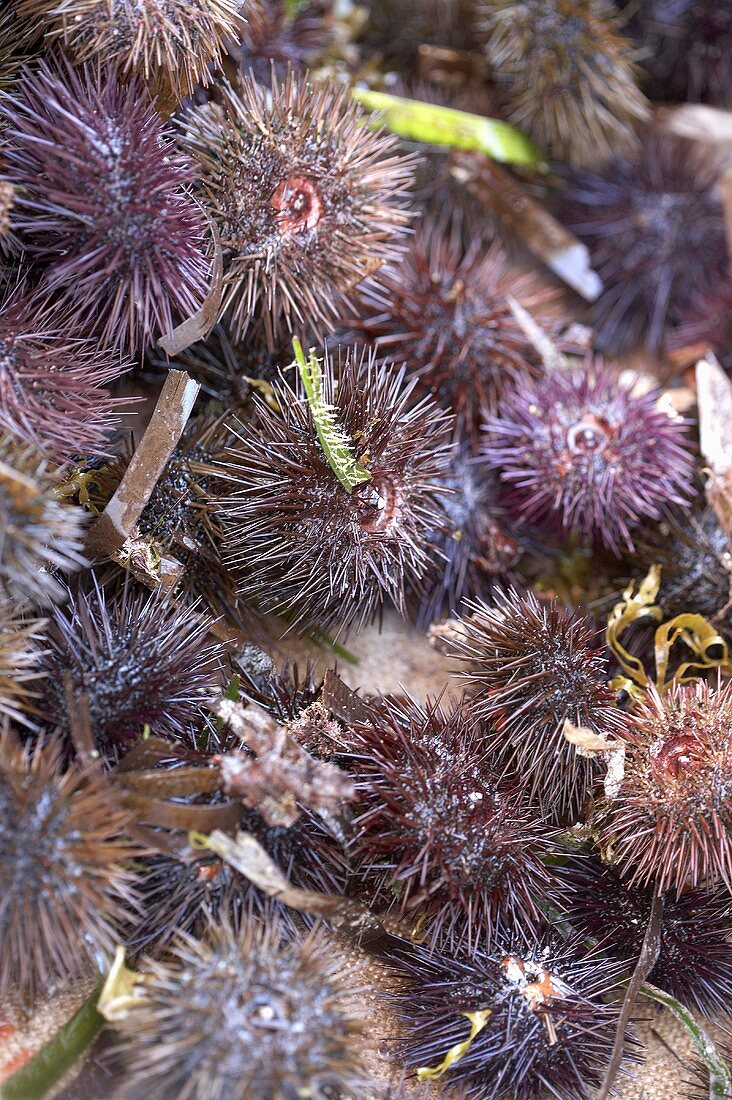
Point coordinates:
[[530, 667], [695, 960], [307, 199], [655, 231], [40, 534], [173, 44], [139, 658], [242, 1013], [568, 74], [103, 201], [443, 311], [476, 545], [437, 839], [686, 50], [299, 540], [53, 382], [671, 821], [20, 649], [582, 448], [66, 883], [525, 1020]]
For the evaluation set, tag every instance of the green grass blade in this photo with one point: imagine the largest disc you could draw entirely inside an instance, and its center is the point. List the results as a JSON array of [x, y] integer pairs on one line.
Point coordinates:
[[436, 125]]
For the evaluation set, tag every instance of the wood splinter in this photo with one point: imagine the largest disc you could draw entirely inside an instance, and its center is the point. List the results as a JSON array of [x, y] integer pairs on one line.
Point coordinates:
[[114, 534]]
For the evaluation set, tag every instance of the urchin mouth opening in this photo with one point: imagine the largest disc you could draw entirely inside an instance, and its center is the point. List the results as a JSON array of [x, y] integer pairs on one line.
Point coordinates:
[[297, 203], [678, 755], [589, 434], [378, 505]]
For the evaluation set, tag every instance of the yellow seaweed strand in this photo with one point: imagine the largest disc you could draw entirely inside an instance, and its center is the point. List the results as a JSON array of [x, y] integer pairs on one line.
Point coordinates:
[[478, 1020]]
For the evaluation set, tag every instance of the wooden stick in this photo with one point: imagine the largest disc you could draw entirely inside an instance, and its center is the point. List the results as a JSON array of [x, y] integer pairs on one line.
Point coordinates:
[[116, 525], [542, 234]]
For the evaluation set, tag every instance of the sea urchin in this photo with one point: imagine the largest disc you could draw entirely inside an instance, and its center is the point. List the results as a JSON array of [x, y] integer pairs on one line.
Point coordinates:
[[308, 200], [583, 447]]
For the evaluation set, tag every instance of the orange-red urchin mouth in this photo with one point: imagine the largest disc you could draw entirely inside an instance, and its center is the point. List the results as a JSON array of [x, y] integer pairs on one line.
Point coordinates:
[[298, 204]]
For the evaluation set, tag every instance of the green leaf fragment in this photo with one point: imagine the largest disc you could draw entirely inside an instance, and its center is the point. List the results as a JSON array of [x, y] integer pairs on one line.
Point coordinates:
[[436, 125], [35, 1079], [334, 441]]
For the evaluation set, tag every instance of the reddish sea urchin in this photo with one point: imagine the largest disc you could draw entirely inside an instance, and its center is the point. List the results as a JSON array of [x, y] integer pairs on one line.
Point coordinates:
[[297, 539], [529, 667], [20, 651], [583, 447], [568, 74], [104, 201], [40, 534], [437, 839], [671, 822], [172, 44], [443, 312], [308, 201]]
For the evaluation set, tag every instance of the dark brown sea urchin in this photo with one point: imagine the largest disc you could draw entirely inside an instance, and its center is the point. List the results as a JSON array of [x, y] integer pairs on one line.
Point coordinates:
[[307, 200]]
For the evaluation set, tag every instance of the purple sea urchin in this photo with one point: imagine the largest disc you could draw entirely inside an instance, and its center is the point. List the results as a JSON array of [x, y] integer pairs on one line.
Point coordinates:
[[52, 382], [140, 659], [535, 1019], [65, 878], [436, 838], [104, 200], [655, 231], [40, 534], [303, 544], [568, 73], [695, 961], [583, 447], [307, 200], [529, 667], [671, 822], [243, 1014], [443, 312]]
